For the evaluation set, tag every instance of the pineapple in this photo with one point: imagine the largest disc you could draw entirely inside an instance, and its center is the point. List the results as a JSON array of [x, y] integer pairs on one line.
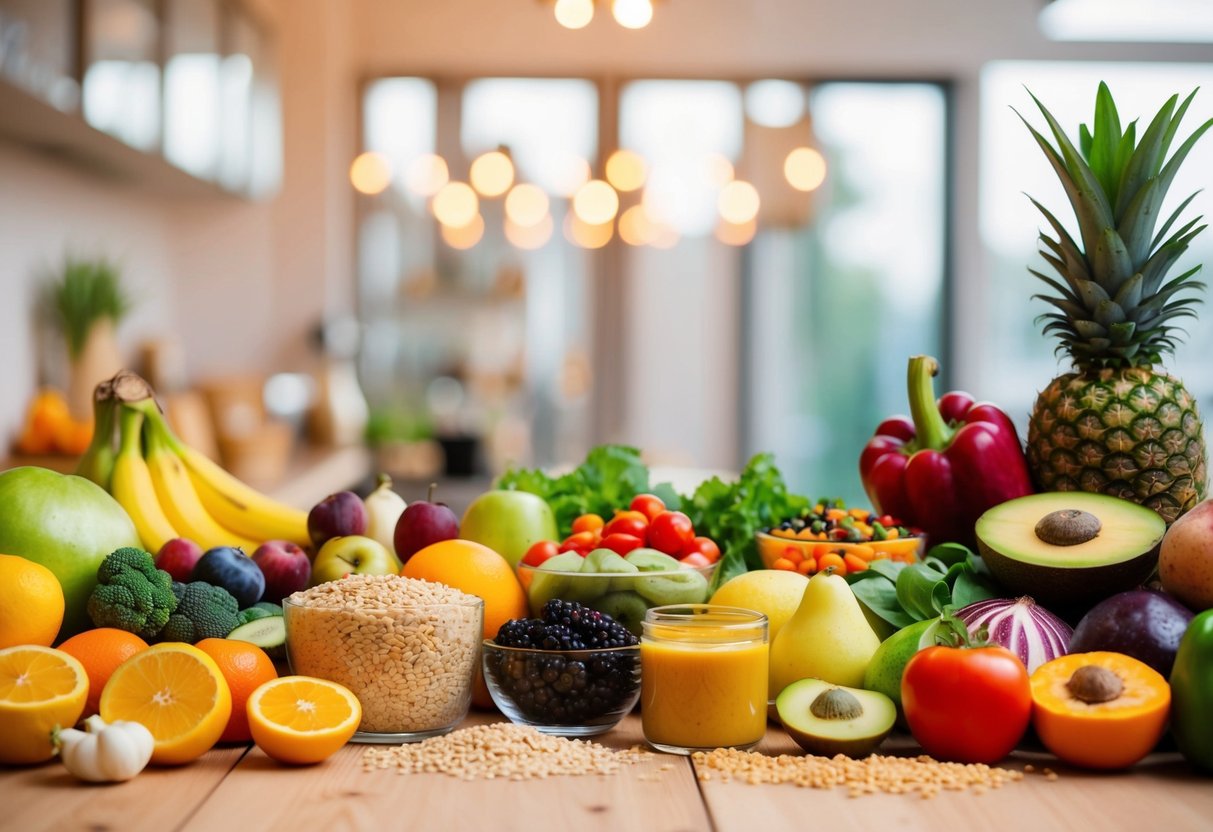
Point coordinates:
[[1117, 424]]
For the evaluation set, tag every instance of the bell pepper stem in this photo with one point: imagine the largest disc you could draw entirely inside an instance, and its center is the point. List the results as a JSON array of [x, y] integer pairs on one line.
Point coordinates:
[[931, 429]]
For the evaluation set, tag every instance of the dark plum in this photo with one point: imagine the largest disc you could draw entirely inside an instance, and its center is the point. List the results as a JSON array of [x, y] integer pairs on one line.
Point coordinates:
[[234, 571], [1141, 623], [337, 515]]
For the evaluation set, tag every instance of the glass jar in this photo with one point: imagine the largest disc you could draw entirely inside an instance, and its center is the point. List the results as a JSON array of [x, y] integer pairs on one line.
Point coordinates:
[[703, 677], [411, 667]]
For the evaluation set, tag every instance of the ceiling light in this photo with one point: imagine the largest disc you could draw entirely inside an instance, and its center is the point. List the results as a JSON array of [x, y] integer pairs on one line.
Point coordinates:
[[492, 173], [738, 202], [632, 14], [805, 169], [626, 170], [456, 204], [574, 14], [526, 205], [370, 173], [596, 202]]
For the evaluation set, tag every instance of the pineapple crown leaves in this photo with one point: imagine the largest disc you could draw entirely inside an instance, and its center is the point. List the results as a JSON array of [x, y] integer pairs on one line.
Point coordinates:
[[1112, 306]]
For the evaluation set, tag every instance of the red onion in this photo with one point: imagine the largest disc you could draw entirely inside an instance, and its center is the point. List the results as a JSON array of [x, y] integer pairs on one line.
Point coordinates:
[[1029, 631]]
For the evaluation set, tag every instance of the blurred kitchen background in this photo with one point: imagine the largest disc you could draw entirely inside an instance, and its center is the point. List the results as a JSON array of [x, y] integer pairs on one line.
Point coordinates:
[[438, 238]]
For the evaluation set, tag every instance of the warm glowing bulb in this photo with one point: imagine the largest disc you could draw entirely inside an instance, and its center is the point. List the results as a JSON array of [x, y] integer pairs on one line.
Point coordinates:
[[529, 237], [635, 228], [586, 235], [805, 169], [632, 14], [718, 169], [456, 204], [427, 174], [596, 202], [466, 236], [738, 202], [371, 173], [626, 170], [492, 173], [526, 205], [736, 235], [574, 14]]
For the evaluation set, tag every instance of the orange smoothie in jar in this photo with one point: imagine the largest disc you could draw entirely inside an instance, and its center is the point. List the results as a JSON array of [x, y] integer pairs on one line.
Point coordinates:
[[703, 678]]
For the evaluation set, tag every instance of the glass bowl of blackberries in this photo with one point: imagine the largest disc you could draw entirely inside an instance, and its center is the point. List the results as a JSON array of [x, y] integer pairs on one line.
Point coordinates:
[[573, 672]]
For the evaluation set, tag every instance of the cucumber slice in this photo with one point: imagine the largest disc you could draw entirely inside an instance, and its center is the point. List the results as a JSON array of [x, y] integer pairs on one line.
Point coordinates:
[[267, 633]]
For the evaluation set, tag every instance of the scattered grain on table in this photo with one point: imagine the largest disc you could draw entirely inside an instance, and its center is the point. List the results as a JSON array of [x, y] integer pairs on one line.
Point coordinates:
[[501, 750], [891, 775]]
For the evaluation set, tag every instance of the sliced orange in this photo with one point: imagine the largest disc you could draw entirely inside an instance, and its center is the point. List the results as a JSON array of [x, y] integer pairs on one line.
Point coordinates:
[[40, 689], [178, 693], [298, 719]]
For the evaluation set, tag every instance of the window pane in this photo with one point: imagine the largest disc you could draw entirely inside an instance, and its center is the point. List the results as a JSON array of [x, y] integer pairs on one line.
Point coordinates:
[[1017, 360], [191, 78], [835, 309], [36, 49], [122, 82]]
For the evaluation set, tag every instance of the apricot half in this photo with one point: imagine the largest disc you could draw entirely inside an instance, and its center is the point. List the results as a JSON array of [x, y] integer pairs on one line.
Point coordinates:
[[1099, 710]]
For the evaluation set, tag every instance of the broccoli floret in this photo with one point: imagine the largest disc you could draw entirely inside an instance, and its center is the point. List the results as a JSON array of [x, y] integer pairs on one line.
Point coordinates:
[[203, 611], [132, 594], [262, 609]]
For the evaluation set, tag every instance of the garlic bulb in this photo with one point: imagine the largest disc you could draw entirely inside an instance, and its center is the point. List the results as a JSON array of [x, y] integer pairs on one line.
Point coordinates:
[[383, 508], [105, 752]]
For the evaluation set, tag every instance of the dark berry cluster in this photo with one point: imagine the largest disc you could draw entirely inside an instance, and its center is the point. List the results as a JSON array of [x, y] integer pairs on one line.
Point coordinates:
[[556, 688]]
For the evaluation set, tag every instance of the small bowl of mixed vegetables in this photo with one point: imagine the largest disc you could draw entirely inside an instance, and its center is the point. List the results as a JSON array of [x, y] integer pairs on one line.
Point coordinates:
[[831, 535]]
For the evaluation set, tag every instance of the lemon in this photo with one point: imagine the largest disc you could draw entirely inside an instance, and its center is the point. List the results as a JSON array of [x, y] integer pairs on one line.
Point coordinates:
[[299, 719], [775, 593], [40, 689], [177, 692]]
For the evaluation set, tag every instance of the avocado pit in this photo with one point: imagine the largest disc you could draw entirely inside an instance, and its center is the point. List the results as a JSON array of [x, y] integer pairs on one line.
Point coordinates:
[[1068, 527], [836, 703], [1093, 684]]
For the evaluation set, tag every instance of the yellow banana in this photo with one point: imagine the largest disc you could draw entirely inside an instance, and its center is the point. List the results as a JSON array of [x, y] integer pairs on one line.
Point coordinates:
[[180, 500], [240, 507], [132, 487]]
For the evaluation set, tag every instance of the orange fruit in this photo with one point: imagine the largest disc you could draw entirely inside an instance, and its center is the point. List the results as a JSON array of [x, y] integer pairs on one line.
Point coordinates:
[[31, 603], [298, 719], [40, 689], [476, 570], [101, 651], [245, 667], [178, 693]]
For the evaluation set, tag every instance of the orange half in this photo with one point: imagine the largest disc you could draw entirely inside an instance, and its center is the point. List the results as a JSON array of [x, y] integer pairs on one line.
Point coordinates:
[[40, 689], [178, 693], [299, 719]]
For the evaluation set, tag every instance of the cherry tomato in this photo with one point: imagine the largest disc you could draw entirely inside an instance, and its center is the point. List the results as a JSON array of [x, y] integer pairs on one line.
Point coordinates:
[[582, 542], [628, 522], [704, 546], [650, 505], [696, 559], [621, 544], [541, 551], [587, 523], [670, 532], [967, 704]]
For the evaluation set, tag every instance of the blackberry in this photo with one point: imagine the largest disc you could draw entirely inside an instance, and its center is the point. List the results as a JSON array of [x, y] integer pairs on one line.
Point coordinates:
[[552, 686], [594, 629]]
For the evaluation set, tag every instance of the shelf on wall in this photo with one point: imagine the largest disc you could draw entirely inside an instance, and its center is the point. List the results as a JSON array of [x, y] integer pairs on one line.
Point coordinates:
[[31, 122]]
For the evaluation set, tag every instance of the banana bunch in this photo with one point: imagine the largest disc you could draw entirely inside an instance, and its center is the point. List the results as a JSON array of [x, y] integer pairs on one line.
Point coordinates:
[[171, 490]]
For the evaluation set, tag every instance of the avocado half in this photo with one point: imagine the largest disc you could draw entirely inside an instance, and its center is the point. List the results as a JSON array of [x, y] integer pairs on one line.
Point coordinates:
[[828, 719], [1070, 548]]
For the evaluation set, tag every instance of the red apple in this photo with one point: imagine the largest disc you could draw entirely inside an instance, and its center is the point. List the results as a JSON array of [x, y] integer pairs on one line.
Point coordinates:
[[424, 522], [177, 557], [285, 566], [337, 515]]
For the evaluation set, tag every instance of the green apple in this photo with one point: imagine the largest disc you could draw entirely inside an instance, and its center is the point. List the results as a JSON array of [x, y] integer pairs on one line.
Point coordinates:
[[68, 524], [352, 555], [508, 522]]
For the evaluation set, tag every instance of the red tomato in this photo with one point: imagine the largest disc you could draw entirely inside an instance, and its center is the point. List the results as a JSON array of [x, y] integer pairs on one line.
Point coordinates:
[[967, 704], [541, 551], [627, 522], [581, 542], [704, 546], [587, 523], [670, 532], [621, 544], [696, 559], [650, 505]]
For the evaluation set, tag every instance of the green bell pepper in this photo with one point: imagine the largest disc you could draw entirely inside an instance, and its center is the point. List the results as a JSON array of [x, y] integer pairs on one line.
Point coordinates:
[[1192, 693]]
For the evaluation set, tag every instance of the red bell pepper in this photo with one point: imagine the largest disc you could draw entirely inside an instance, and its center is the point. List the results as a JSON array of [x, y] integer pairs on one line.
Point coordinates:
[[944, 469]]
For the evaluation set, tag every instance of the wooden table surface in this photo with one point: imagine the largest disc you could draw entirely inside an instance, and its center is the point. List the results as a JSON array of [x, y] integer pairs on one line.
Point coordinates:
[[238, 789]]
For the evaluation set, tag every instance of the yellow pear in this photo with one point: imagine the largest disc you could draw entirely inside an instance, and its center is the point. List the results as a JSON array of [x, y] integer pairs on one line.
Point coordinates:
[[827, 638]]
